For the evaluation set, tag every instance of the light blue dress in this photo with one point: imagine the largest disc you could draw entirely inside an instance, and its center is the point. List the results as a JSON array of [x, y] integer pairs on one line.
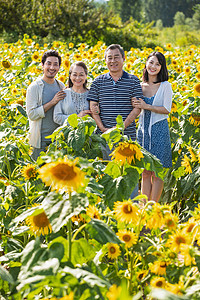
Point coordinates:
[[160, 137]]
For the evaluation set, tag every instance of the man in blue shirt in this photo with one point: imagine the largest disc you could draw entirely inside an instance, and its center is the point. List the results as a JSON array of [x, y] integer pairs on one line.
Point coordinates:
[[111, 93]]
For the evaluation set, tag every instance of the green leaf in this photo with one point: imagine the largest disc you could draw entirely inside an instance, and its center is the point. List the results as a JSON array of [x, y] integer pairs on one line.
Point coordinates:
[[59, 209], [5, 275], [87, 277], [76, 139], [82, 252], [161, 294], [57, 248], [119, 188], [101, 232], [73, 120]]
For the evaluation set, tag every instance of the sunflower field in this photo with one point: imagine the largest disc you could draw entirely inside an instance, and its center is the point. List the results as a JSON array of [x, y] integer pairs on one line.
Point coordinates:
[[69, 229]]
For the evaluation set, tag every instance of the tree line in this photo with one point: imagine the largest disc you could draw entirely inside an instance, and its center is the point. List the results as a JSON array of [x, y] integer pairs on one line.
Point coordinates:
[[129, 22]]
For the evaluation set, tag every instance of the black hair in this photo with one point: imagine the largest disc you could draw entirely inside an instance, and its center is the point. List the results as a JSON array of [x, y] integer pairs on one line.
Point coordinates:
[[51, 53], [115, 46], [163, 74], [78, 64]]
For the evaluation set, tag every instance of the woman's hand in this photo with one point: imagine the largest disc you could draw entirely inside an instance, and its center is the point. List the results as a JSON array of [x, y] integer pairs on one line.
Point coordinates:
[[138, 103], [83, 113]]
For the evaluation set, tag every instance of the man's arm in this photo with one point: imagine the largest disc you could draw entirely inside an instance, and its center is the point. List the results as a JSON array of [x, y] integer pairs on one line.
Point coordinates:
[[95, 114], [131, 117]]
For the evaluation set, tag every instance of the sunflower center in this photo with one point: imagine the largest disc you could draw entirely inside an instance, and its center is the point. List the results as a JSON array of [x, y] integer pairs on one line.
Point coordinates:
[[112, 250], [159, 283], [127, 209], [163, 264], [64, 172], [41, 220], [141, 276], [180, 240], [127, 152], [190, 228], [126, 238], [170, 223]]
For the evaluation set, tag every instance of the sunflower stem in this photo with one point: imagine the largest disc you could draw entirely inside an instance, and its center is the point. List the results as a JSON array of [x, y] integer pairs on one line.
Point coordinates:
[[69, 226], [79, 230], [131, 273]]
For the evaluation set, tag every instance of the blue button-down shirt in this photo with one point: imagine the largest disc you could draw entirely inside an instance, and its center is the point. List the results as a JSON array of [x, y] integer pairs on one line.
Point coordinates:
[[115, 99]]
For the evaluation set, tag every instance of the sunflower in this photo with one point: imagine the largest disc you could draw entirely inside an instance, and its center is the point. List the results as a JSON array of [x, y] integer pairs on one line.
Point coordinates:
[[192, 154], [77, 219], [177, 288], [28, 42], [14, 91], [174, 107], [155, 219], [62, 78], [29, 172], [35, 56], [158, 282], [66, 64], [171, 221], [6, 64], [184, 88], [194, 119], [197, 75], [169, 46], [186, 163], [77, 57], [71, 45], [126, 211], [127, 151], [93, 212], [176, 240], [158, 267], [62, 174], [197, 89], [186, 251], [39, 224], [141, 275], [113, 250], [114, 292], [68, 297], [190, 226], [128, 237]]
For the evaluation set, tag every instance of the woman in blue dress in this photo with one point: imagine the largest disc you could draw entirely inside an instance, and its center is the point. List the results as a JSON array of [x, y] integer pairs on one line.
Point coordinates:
[[153, 131]]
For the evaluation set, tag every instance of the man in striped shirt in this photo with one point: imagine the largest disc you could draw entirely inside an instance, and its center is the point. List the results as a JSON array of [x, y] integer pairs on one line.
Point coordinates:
[[110, 94]]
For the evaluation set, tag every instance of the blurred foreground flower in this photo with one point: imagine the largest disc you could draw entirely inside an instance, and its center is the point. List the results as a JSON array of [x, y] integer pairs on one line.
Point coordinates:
[[62, 174], [127, 152], [39, 224]]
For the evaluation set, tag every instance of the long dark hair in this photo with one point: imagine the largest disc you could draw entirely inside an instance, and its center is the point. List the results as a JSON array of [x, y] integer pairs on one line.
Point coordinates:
[[78, 64], [163, 74]]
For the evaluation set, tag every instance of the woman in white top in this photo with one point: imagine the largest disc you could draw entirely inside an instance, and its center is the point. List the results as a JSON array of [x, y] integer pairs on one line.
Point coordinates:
[[76, 95], [153, 132]]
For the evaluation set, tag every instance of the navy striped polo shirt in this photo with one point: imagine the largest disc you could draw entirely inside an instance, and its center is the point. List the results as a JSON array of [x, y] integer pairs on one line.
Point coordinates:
[[115, 99]]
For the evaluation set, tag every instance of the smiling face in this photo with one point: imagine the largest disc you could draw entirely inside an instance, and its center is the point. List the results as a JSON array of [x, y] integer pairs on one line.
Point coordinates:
[[50, 68], [114, 61], [78, 76], [153, 66]]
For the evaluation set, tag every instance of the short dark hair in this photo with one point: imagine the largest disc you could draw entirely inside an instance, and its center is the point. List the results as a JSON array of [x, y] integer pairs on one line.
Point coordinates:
[[163, 74], [115, 46], [51, 53], [77, 64]]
